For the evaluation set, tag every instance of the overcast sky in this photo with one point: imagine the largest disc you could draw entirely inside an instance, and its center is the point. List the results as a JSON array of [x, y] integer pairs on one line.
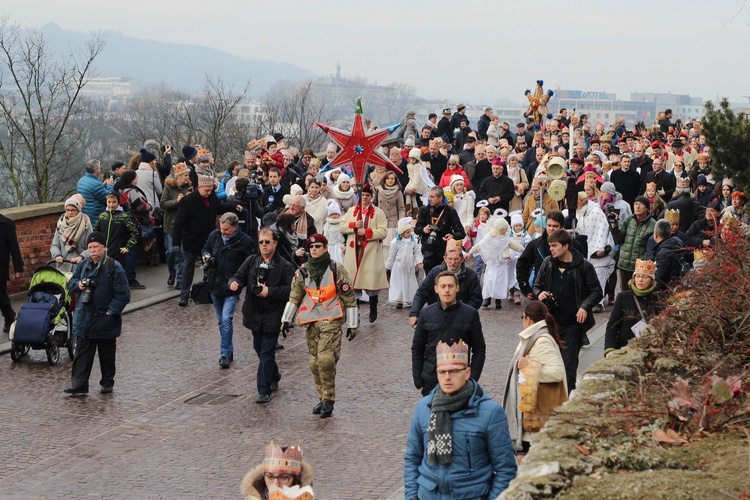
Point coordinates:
[[472, 50]]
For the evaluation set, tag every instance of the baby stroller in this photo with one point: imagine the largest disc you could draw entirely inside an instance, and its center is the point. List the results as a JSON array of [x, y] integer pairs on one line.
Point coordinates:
[[45, 320]]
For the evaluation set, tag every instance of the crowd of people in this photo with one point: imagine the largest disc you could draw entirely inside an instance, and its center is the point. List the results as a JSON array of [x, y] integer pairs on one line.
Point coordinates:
[[308, 245]]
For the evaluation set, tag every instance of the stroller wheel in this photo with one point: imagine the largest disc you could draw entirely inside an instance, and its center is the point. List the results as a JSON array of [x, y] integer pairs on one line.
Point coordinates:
[[72, 347], [70, 339], [53, 354], [17, 351]]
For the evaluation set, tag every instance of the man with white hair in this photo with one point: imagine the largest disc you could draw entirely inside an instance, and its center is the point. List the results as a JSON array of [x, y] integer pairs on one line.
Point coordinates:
[[295, 226]]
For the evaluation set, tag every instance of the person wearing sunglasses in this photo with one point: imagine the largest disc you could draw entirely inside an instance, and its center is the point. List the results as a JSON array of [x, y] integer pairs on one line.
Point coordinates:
[[282, 467], [324, 294], [268, 277]]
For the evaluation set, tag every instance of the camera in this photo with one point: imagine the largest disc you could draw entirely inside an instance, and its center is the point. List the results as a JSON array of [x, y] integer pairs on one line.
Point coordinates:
[[263, 269], [208, 262], [551, 303], [165, 146], [88, 290], [433, 236], [612, 213]]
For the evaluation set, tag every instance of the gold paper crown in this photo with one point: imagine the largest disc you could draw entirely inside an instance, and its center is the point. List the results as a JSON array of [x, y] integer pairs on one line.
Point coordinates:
[[291, 493], [683, 182], [278, 461], [646, 267], [453, 245], [672, 215], [451, 355]]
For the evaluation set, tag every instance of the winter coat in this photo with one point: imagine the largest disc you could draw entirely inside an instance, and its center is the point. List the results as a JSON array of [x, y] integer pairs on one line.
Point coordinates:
[[438, 324], [483, 462], [530, 204], [263, 314], [391, 205], [253, 485], [688, 209], [102, 317], [95, 193], [501, 186], [632, 237], [150, 184], [669, 258], [531, 260], [438, 164], [594, 225], [464, 205], [369, 273], [698, 232], [9, 248], [169, 201], [445, 180], [59, 248], [271, 200], [588, 292], [345, 202], [407, 253], [317, 209], [625, 314], [195, 221], [449, 223], [228, 257], [469, 289], [627, 183], [120, 231]]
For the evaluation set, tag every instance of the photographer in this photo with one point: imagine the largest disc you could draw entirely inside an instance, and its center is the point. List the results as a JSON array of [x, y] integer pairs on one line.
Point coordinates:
[[223, 254], [268, 278], [568, 286], [248, 195], [436, 224], [104, 293]]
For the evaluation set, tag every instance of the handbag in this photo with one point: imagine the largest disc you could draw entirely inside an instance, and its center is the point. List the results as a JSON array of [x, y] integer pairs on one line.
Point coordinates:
[[539, 399], [157, 213], [200, 293]]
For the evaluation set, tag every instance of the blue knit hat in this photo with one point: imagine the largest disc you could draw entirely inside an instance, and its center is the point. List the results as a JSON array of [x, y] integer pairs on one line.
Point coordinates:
[[147, 156]]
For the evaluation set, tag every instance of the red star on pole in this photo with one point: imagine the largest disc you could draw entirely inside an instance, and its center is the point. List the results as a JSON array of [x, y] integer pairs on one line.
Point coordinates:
[[358, 147]]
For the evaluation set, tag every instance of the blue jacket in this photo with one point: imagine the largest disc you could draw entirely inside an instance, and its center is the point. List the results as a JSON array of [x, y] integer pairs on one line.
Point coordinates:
[[483, 459], [102, 318], [95, 194]]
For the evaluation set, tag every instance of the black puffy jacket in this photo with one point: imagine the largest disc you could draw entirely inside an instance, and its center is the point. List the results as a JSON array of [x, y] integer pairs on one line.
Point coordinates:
[[228, 258], [263, 314], [435, 324], [469, 289]]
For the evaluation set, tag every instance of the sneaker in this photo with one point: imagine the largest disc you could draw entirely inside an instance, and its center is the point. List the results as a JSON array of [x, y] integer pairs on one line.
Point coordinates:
[[107, 389], [597, 308], [263, 398], [9, 323], [517, 298], [76, 391], [183, 303], [134, 285]]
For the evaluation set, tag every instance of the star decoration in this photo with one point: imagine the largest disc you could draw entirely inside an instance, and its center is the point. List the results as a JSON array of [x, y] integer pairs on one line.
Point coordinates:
[[538, 102], [359, 147]]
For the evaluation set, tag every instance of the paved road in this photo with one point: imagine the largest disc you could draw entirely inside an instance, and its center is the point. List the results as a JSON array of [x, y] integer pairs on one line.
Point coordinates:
[[149, 440]]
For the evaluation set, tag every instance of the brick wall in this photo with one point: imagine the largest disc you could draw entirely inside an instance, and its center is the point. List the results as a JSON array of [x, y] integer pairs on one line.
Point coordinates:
[[35, 227]]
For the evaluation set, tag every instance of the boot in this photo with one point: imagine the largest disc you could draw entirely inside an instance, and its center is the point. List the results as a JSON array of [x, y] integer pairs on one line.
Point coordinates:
[[486, 302], [373, 308], [498, 304]]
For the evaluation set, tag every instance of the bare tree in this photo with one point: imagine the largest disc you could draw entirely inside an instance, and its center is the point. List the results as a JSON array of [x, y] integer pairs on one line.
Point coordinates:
[[215, 114], [39, 93], [293, 109]]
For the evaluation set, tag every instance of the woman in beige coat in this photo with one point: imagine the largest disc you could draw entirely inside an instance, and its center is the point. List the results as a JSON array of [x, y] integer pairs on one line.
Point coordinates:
[[365, 227], [536, 362]]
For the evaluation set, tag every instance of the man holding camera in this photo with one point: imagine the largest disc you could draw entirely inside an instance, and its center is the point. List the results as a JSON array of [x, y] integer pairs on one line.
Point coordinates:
[[268, 277], [225, 251], [103, 294], [324, 294], [568, 285], [436, 224]]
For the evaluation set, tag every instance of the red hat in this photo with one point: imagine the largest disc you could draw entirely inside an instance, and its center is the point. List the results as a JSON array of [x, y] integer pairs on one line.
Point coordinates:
[[656, 144], [367, 189], [589, 168], [595, 140], [577, 161], [316, 238], [683, 134]]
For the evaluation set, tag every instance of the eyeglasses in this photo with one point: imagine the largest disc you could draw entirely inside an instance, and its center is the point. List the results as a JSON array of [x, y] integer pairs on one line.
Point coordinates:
[[452, 163], [452, 373], [316, 245], [523, 316], [282, 478], [265, 242], [679, 164]]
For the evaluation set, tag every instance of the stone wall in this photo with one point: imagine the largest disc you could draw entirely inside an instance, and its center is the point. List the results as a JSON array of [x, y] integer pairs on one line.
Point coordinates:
[[554, 460], [35, 227]]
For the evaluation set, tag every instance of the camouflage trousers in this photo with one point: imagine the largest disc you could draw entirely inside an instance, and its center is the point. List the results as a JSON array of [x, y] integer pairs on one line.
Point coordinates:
[[324, 345]]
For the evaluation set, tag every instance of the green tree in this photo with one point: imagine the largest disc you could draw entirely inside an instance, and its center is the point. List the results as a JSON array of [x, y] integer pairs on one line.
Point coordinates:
[[728, 135]]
